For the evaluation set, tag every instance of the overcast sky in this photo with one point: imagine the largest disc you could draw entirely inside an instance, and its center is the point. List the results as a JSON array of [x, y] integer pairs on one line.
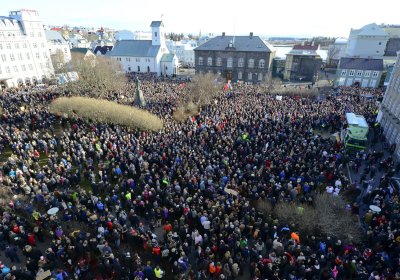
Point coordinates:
[[263, 17]]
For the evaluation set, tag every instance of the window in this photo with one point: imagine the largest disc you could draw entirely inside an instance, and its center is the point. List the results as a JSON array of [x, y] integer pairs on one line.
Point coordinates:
[[260, 76], [23, 68], [127, 59], [41, 65], [38, 55], [42, 45], [229, 62], [34, 45], [200, 60], [155, 34], [20, 56], [240, 75], [241, 62], [359, 73], [30, 67], [137, 59], [8, 46], [375, 74], [12, 57], [129, 69], [1, 72], [8, 69], [24, 45], [344, 72], [1, 46], [372, 84], [15, 68], [138, 68], [45, 54], [219, 61], [250, 63], [39, 34], [148, 69], [367, 74], [250, 76], [209, 61], [3, 58], [31, 34], [28, 56], [17, 46], [351, 73], [261, 63]]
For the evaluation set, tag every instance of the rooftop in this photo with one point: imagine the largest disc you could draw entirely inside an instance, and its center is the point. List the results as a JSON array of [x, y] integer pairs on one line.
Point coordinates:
[[354, 119], [134, 48], [240, 43], [156, 24], [361, 63]]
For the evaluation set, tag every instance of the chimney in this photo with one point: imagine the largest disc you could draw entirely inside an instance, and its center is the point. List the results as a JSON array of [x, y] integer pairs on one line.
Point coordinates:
[[223, 34], [251, 35]]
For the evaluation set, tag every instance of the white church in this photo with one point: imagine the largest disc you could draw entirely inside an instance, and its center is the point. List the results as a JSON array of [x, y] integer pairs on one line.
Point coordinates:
[[146, 56]]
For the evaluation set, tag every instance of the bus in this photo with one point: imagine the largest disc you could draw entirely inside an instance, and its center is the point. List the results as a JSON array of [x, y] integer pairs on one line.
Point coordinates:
[[355, 132]]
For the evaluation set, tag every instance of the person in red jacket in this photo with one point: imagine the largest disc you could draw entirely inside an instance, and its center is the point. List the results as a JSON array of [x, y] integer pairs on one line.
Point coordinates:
[[31, 239]]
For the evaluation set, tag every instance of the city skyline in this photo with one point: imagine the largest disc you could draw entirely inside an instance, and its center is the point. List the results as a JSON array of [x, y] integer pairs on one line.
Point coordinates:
[[309, 18]]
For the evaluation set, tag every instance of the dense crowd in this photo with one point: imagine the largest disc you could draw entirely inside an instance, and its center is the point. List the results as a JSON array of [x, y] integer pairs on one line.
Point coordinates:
[[181, 203]]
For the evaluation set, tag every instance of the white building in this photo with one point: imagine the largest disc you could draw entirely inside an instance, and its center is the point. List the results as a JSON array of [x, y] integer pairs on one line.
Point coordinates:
[[78, 41], [389, 114], [24, 54], [367, 42], [184, 50], [60, 52], [146, 56]]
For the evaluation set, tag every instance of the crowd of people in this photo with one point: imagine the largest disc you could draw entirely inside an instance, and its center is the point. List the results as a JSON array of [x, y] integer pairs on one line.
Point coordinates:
[[182, 203]]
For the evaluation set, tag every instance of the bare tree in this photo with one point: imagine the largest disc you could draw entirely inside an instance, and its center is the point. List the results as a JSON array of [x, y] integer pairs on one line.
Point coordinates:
[[98, 75], [58, 60], [334, 220], [271, 84], [327, 216], [201, 91], [333, 51]]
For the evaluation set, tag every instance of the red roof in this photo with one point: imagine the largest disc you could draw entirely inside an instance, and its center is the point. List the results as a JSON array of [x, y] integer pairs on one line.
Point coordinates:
[[56, 28]]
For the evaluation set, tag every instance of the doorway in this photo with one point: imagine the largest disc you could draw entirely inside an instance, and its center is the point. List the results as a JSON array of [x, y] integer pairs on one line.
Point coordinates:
[[229, 75]]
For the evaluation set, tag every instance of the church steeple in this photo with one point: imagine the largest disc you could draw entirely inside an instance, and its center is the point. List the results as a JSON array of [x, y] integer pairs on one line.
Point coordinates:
[[157, 33]]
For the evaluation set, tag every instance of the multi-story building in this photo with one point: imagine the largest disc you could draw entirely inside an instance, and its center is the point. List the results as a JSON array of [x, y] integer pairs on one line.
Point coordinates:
[[363, 72], [367, 42], [236, 58], [302, 63], [362, 64], [24, 54], [59, 49], [184, 50], [389, 115]]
